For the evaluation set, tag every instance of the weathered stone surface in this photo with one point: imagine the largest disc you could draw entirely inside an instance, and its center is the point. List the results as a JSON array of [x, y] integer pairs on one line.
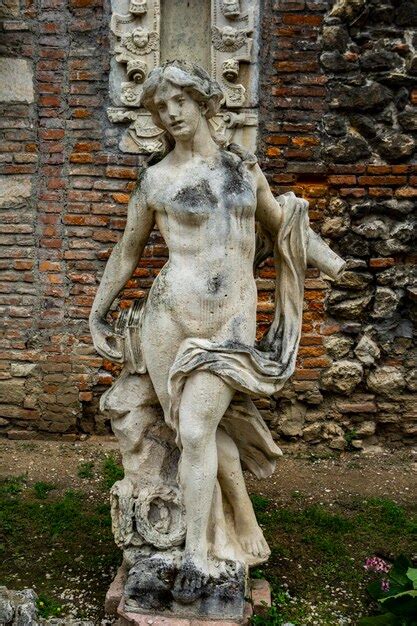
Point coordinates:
[[347, 9], [354, 280], [9, 8], [386, 380], [22, 369], [335, 125], [14, 190], [12, 391], [378, 60], [338, 346], [394, 146], [364, 97], [335, 37], [373, 227], [342, 376], [365, 429], [335, 62], [354, 245], [411, 379], [350, 148], [367, 350], [398, 276], [335, 227], [396, 207], [292, 419], [150, 586], [386, 302], [408, 118], [313, 432], [16, 80], [406, 14], [401, 238], [341, 304]]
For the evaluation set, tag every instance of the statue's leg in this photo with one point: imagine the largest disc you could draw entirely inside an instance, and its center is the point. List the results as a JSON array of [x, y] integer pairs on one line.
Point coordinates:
[[204, 401], [233, 487]]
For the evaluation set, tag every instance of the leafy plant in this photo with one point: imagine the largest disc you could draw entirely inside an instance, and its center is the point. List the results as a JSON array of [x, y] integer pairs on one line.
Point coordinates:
[[395, 589], [47, 607]]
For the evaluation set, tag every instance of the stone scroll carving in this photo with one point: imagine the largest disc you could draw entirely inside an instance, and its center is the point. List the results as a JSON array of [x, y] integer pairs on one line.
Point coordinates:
[[135, 44]]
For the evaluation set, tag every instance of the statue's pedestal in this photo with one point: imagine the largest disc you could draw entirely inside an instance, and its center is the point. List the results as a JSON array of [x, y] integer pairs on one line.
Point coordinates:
[[258, 602]]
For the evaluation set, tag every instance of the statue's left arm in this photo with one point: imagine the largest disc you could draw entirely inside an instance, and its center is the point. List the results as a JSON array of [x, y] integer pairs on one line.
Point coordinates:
[[269, 213]]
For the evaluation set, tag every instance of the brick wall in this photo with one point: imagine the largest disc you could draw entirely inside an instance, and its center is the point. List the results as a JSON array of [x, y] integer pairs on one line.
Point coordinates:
[[72, 185]]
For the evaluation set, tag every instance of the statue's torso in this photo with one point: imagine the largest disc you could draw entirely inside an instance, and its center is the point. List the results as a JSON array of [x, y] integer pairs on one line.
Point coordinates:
[[206, 213]]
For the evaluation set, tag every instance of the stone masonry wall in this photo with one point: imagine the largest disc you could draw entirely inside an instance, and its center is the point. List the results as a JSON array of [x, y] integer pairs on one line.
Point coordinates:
[[338, 126]]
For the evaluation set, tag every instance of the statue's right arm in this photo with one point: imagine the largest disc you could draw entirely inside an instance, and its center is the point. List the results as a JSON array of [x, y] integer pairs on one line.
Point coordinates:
[[120, 267]]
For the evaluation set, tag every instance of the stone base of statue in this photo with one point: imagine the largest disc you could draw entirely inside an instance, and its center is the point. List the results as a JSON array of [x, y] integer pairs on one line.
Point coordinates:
[[144, 595]]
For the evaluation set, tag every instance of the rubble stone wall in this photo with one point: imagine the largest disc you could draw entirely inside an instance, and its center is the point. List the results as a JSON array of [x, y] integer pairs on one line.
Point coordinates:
[[338, 126]]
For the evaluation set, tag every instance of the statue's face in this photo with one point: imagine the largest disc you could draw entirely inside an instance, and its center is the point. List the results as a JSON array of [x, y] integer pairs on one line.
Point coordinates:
[[228, 36], [179, 113], [140, 37]]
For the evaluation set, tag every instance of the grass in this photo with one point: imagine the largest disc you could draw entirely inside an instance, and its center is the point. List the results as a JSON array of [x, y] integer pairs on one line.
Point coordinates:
[[317, 556], [112, 471], [85, 470], [317, 551], [42, 489], [54, 541]]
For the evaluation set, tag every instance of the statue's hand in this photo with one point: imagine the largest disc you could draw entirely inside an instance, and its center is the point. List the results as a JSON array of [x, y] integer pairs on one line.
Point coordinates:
[[105, 340]]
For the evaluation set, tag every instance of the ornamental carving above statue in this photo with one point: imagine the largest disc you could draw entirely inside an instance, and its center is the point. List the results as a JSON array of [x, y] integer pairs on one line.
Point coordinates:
[[137, 49]]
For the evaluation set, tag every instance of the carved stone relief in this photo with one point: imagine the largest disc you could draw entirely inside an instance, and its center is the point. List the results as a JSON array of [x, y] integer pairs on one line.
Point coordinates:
[[135, 26]]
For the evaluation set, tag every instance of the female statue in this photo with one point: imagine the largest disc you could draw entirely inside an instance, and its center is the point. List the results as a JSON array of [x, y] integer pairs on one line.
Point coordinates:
[[199, 321]]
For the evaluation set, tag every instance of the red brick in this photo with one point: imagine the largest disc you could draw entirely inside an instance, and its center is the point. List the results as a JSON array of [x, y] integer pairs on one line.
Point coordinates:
[[382, 180], [304, 19], [342, 180], [51, 133], [381, 263]]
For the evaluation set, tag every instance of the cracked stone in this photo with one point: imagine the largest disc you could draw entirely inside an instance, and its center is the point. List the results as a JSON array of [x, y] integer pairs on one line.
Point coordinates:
[[408, 118], [335, 37], [342, 376], [394, 146], [335, 227], [350, 148], [386, 302], [364, 97], [386, 380], [367, 350], [338, 346], [340, 304], [373, 227], [335, 125], [353, 280]]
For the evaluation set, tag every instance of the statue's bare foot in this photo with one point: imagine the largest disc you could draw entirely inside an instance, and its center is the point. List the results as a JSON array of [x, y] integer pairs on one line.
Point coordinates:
[[252, 540], [191, 579]]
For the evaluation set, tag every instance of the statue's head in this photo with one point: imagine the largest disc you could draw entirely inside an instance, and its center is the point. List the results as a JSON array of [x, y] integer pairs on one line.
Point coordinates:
[[178, 95]]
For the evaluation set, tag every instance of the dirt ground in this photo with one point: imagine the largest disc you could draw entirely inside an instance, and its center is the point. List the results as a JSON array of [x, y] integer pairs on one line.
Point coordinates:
[[322, 516], [323, 480]]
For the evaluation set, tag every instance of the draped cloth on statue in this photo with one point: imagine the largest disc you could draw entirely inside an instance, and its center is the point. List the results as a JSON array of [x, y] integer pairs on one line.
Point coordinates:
[[258, 371]]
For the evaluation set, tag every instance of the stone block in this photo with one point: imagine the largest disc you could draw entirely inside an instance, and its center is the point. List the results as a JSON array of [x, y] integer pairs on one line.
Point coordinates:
[[9, 8], [260, 595], [12, 391], [14, 190], [22, 369], [115, 591], [16, 80]]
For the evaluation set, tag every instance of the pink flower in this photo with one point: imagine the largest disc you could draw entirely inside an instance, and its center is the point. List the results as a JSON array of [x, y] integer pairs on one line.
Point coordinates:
[[384, 584], [376, 564]]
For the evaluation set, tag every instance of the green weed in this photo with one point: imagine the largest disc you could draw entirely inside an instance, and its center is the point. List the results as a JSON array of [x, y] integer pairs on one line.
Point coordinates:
[[42, 489], [85, 470], [112, 471], [48, 607]]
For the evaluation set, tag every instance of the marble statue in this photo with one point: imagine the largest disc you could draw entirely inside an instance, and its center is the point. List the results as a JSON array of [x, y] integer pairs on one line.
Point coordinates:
[[182, 407]]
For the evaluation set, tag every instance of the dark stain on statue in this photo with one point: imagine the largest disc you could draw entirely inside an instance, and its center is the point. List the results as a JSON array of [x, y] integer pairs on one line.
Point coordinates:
[[199, 194], [214, 283], [235, 181]]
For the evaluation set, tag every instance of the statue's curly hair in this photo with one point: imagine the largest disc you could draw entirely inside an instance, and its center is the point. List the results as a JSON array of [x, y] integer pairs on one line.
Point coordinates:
[[192, 78]]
